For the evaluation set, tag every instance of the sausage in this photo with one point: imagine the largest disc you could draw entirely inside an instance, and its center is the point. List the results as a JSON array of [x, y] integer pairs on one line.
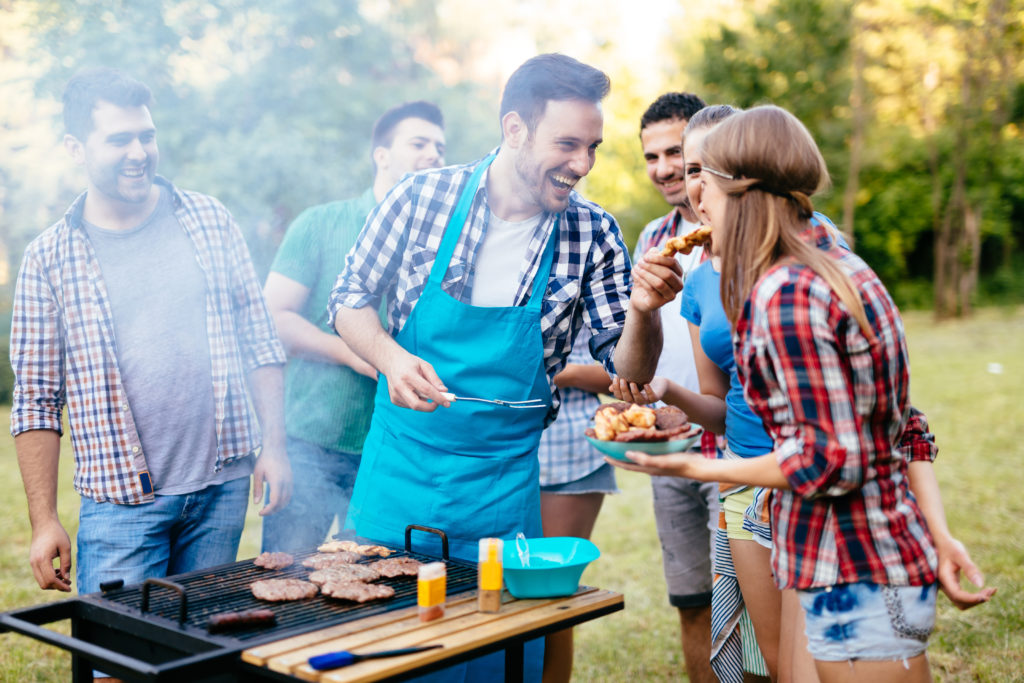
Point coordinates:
[[233, 621]]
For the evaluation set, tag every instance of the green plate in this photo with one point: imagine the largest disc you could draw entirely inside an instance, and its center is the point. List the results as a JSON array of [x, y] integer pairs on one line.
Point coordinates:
[[617, 449]]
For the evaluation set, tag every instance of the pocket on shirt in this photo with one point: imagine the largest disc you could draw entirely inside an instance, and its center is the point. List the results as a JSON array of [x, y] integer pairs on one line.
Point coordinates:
[[421, 260], [560, 301]]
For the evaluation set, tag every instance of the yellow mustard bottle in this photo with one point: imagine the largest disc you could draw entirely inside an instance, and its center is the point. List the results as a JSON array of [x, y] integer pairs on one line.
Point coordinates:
[[489, 576], [430, 590]]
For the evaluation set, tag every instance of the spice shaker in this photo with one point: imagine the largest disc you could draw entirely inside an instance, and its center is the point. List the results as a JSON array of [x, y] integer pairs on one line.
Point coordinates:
[[431, 586], [489, 575]]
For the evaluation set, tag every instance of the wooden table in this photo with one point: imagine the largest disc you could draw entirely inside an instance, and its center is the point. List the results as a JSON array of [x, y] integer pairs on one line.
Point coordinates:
[[464, 632]]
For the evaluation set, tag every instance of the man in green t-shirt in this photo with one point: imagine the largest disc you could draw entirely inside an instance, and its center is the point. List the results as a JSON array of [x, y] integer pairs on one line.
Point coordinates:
[[328, 388]]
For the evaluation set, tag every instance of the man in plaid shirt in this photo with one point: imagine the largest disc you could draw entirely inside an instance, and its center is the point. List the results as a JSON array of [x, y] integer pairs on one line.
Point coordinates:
[[490, 269], [140, 311]]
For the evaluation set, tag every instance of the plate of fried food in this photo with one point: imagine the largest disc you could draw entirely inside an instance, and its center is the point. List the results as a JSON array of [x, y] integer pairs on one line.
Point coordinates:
[[620, 427]]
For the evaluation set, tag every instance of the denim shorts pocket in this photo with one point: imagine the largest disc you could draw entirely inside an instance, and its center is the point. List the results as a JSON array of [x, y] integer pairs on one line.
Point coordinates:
[[911, 610]]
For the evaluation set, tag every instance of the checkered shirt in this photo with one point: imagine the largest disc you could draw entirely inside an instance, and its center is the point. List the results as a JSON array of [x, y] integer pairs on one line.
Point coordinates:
[[565, 453], [837, 407], [589, 282], [63, 348]]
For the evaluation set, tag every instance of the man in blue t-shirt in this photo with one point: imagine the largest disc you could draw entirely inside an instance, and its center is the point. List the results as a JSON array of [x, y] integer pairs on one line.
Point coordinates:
[[328, 388]]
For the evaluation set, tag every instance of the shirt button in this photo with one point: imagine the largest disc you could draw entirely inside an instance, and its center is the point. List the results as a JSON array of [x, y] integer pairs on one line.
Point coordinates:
[[135, 449], [124, 406]]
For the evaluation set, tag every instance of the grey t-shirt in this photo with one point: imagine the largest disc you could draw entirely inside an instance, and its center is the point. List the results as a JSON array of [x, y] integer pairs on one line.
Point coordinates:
[[157, 294]]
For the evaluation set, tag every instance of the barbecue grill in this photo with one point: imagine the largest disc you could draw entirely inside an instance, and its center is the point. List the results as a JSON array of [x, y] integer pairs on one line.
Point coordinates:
[[157, 630]]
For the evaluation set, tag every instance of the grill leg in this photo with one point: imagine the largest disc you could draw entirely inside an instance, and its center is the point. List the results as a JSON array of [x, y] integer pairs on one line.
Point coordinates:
[[514, 662]]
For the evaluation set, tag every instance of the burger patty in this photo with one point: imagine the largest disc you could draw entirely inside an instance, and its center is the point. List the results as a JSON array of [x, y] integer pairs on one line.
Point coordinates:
[[273, 560], [396, 566], [357, 591], [344, 573], [353, 547], [328, 560], [279, 590]]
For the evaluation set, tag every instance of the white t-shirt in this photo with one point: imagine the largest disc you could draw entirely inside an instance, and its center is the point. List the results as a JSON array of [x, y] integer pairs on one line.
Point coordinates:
[[499, 260]]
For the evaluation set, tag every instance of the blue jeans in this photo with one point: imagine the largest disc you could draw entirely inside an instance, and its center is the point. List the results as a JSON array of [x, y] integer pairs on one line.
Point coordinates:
[[172, 535], [322, 487]]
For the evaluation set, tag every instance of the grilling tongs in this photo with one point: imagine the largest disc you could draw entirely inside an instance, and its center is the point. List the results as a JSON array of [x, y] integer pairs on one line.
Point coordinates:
[[531, 403]]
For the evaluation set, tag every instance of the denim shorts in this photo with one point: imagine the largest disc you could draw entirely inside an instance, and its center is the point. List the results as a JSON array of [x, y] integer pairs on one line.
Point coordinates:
[[868, 621], [171, 535]]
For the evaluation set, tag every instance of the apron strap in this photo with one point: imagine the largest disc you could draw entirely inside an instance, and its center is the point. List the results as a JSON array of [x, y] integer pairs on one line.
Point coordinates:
[[540, 280], [458, 219]]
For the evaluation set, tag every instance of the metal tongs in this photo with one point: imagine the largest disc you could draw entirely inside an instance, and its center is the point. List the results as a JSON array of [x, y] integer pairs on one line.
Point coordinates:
[[531, 403]]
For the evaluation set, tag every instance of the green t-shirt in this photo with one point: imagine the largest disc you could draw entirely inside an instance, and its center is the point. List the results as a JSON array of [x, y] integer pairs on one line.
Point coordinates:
[[326, 404]]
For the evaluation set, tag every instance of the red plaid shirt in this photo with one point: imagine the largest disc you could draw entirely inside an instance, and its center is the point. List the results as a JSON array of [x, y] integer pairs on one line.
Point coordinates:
[[62, 347], [837, 408]]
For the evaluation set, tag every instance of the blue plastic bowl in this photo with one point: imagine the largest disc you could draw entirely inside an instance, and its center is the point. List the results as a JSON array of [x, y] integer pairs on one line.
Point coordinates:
[[556, 565]]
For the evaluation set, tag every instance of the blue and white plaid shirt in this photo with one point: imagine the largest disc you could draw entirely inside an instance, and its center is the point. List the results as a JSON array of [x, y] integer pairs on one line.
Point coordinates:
[[589, 282], [565, 454], [63, 347]]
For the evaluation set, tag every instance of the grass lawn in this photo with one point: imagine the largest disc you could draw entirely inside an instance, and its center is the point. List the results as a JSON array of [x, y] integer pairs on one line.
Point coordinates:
[[967, 378]]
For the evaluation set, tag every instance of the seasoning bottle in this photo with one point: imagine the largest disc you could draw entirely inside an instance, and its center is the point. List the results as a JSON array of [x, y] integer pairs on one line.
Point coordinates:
[[489, 575], [431, 587]]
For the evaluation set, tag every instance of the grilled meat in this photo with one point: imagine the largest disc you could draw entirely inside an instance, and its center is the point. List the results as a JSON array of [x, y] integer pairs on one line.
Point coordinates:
[[279, 590]]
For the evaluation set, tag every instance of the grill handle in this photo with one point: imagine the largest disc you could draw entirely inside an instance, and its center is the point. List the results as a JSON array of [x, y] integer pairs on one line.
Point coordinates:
[[164, 583], [429, 530]]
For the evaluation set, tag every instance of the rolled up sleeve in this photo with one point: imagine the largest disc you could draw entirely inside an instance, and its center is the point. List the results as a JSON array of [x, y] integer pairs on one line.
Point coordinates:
[[37, 353]]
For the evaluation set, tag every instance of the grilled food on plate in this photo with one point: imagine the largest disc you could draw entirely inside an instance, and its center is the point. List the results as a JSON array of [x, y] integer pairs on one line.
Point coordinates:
[[626, 422]]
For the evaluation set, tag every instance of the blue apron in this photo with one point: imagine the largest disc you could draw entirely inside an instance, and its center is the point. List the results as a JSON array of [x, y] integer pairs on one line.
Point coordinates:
[[471, 469]]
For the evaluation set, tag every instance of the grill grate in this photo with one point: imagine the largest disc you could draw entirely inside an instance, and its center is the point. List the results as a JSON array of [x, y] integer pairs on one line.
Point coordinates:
[[226, 589]]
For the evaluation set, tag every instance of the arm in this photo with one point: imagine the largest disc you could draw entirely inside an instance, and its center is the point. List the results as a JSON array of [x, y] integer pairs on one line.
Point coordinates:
[[706, 408], [38, 453], [266, 385], [591, 377], [764, 470], [286, 299], [953, 557], [412, 382], [656, 281]]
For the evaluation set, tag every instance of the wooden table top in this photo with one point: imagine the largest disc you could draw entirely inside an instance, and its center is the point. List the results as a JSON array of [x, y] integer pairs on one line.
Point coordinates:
[[462, 630]]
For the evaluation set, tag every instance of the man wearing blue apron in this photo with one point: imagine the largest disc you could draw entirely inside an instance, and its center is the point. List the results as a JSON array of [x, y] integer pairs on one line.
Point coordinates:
[[489, 269]]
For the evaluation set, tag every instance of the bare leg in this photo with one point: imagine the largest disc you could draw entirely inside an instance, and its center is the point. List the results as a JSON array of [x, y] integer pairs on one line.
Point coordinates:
[[696, 633], [762, 598], [795, 663], [913, 670], [567, 515]]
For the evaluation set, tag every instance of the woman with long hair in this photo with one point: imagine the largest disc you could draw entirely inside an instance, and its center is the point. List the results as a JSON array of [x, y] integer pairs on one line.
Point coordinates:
[[820, 351], [748, 641]]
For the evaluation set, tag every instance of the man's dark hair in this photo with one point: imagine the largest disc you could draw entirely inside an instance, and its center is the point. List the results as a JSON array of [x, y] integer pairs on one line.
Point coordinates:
[[551, 77], [672, 106], [90, 85], [384, 127]]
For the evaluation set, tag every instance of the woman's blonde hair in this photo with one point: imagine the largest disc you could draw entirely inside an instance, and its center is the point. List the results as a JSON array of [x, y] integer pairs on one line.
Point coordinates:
[[776, 167]]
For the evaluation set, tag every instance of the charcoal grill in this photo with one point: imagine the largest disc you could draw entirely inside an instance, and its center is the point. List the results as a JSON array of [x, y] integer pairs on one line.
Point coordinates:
[[156, 631]]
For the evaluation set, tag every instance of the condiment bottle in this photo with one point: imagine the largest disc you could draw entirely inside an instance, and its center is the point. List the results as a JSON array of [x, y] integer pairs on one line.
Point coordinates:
[[489, 575], [431, 587]]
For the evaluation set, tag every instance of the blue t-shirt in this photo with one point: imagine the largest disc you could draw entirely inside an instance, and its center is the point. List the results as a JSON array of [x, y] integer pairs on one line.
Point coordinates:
[[702, 306]]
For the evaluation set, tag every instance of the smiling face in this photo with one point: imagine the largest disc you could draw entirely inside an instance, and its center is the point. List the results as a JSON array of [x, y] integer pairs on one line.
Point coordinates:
[[119, 155], [663, 152], [559, 151], [692, 164], [418, 144]]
